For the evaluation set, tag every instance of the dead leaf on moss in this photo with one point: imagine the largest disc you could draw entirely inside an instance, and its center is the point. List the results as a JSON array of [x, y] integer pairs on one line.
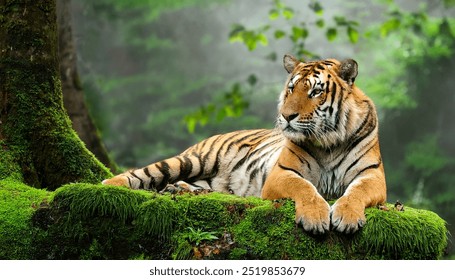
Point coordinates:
[[206, 249], [197, 254], [231, 209]]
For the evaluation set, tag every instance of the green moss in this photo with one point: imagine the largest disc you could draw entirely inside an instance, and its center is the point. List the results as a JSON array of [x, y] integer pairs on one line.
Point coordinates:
[[408, 234], [157, 217], [84, 201], [121, 223], [219, 210], [82, 217], [269, 232], [8, 166], [17, 205]]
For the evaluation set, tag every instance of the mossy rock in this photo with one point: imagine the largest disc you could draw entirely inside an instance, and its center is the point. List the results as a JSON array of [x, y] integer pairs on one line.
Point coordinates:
[[84, 221]]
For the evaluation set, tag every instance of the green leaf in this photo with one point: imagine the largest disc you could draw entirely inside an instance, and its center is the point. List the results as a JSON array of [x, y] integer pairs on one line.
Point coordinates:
[[353, 35], [236, 29], [316, 7], [279, 34], [279, 4], [288, 13], [274, 14], [389, 26], [320, 23], [298, 33], [252, 79], [250, 40], [331, 34], [340, 21], [190, 123], [263, 39], [271, 56]]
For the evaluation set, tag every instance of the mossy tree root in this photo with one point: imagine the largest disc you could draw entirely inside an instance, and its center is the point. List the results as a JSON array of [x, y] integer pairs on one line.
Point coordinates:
[[34, 127]]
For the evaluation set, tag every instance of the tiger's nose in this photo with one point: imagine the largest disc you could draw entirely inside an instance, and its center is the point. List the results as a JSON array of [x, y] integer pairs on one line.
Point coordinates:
[[290, 117]]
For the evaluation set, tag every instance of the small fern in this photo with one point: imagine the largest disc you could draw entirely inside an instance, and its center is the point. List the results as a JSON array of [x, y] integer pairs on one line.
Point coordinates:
[[197, 236]]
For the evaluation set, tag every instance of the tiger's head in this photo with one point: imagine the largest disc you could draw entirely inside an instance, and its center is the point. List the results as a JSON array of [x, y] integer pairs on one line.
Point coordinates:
[[314, 103]]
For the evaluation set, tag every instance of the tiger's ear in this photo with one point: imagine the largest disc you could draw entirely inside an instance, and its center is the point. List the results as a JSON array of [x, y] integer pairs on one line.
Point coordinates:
[[290, 62], [349, 70]]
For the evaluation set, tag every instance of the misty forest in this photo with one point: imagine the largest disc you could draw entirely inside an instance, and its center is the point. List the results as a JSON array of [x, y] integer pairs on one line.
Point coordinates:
[[90, 89]]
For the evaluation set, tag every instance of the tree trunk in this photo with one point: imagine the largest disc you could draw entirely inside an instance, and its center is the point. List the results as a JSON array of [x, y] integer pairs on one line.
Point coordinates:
[[34, 126], [73, 95]]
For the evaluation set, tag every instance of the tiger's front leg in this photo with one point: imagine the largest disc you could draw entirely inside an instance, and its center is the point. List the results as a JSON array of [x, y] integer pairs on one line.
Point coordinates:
[[348, 213], [311, 209]]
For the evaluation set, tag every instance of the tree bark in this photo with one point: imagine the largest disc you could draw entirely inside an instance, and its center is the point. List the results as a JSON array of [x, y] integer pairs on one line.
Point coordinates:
[[73, 95], [33, 123]]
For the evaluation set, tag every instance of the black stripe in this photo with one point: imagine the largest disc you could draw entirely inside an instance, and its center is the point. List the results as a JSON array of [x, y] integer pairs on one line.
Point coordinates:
[[289, 169], [146, 171], [152, 180], [356, 139], [252, 176], [334, 90], [141, 185], [209, 151], [201, 146], [201, 169], [363, 154], [357, 136], [372, 166], [320, 67], [186, 167], [242, 161], [152, 183], [307, 150], [302, 160], [163, 167], [256, 133], [216, 164], [271, 143], [337, 116]]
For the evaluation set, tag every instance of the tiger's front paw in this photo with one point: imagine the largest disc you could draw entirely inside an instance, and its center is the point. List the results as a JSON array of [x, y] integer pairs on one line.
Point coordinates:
[[314, 217], [119, 180], [347, 217]]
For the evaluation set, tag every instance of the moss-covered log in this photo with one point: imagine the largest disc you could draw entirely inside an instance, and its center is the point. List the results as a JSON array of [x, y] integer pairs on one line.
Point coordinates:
[[83, 221], [34, 127]]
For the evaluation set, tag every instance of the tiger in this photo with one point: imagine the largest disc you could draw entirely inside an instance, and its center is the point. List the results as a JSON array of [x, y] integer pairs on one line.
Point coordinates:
[[324, 147]]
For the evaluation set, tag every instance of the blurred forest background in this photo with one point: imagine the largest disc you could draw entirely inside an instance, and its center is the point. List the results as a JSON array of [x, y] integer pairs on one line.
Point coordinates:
[[158, 76]]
